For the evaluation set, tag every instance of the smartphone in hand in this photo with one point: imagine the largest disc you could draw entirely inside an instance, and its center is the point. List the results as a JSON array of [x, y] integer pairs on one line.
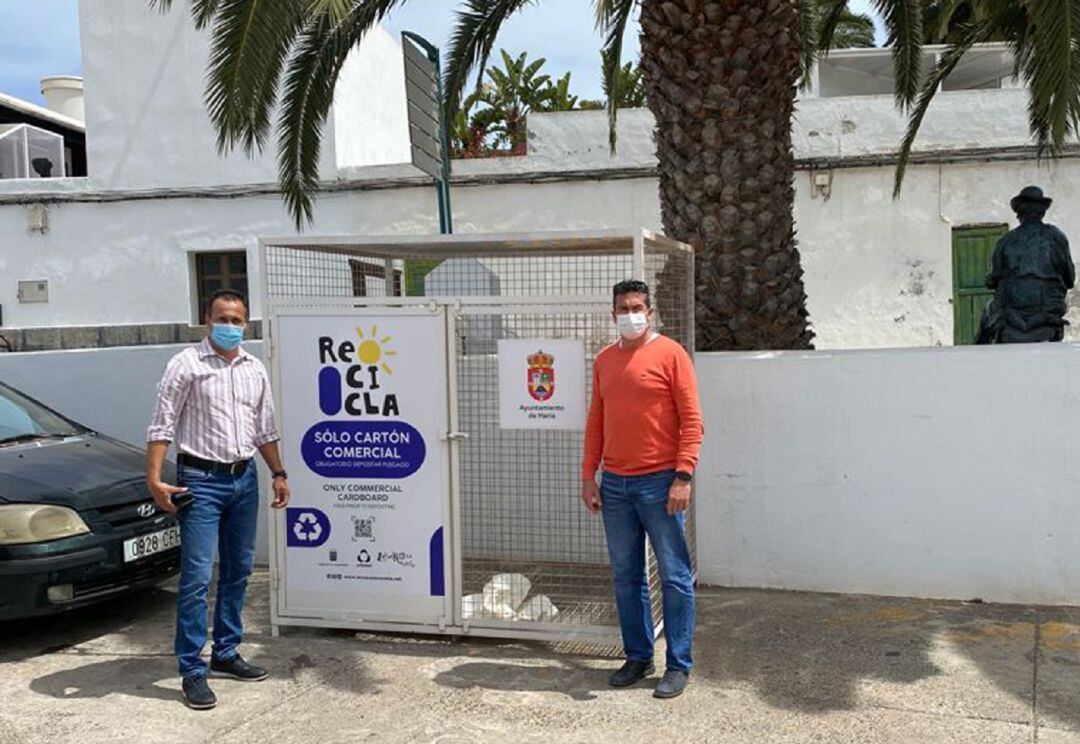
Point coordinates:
[[182, 500]]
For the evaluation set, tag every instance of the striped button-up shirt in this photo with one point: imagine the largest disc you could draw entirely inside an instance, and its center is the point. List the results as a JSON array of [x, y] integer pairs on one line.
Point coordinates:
[[212, 408]]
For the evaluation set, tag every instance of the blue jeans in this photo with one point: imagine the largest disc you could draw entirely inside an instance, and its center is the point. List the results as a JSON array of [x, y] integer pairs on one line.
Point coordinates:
[[224, 515], [633, 507]]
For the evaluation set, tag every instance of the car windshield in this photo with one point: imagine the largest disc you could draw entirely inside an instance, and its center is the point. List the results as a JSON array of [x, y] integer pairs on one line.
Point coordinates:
[[21, 419]]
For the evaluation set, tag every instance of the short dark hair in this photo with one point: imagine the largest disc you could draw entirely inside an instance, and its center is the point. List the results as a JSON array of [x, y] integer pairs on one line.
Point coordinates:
[[631, 286], [231, 295]]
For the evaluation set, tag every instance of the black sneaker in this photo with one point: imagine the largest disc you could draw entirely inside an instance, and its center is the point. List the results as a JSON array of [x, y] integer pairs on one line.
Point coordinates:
[[197, 694], [237, 668], [671, 684], [631, 672]]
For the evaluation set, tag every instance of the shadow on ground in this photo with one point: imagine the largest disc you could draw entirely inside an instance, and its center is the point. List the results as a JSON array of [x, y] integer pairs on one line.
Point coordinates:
[[824, 652], [133, 633], [49, 634], [569, 678], [134, 676], [794, 653], [1047, 637], [810, 653], [809, 656]]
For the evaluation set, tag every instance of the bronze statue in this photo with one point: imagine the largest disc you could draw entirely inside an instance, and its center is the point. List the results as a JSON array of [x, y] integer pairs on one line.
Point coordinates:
[[1030, 273]]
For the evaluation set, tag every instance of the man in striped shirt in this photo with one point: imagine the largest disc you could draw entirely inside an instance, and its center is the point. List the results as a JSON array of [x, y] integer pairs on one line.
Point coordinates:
[[214, 404]]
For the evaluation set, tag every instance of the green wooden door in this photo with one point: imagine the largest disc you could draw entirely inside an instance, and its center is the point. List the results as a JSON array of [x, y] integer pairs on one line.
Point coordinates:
[[416, 270], [972, 249]]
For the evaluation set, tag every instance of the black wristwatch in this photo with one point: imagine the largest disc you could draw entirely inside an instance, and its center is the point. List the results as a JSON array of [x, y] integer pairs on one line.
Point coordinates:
[[280, 474], [684, 476]]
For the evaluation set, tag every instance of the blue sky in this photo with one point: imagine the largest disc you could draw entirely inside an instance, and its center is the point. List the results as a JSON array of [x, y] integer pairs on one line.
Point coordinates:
[[41, 37], [37, 38]]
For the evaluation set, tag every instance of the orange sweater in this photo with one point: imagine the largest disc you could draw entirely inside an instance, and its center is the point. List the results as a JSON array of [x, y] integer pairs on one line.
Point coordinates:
[[645, 416]]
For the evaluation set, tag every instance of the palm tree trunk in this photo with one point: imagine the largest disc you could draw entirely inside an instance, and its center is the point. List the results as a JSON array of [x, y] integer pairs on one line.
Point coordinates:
[[720, 78]]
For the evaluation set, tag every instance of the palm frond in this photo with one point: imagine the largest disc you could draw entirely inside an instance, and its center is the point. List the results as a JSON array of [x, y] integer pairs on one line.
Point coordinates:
[[938, 19], [308, 91], [321, 49], [500, 78], [250, 42], [946, 64], [612, 17], [1048, 58], [338, 10], [829, 24], [808, 20], [824, 34], [202, 11], [904, 21], [476, 26], [856, 30], [533, 67]]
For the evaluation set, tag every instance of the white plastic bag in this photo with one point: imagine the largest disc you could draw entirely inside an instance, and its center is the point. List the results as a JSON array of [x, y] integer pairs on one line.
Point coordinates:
[[474, 606], [538, 609], [506, 589]]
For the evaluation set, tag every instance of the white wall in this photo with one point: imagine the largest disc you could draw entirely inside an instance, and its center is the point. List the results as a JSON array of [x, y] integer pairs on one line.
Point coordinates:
[[146, 122], [146, 119], [879, 272], [822, 128], [864, 125], [371, 124], [109, 390], [126, 262], [147, 125], [924, 472]]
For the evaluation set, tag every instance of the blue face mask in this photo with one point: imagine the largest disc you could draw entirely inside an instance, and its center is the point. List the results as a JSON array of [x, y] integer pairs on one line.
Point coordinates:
[[227, 337]]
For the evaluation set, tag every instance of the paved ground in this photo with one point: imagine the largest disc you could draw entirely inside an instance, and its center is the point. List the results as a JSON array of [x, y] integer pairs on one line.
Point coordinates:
[[771, 667]]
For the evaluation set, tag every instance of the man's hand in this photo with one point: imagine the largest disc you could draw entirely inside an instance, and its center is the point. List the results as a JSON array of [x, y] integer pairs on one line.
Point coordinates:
[[678, 499], [163, 493], [270, 454], [281, 493], [590, 494]]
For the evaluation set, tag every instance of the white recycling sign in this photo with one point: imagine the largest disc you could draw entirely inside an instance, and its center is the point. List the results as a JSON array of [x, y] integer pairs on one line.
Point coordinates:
[[361, 427]]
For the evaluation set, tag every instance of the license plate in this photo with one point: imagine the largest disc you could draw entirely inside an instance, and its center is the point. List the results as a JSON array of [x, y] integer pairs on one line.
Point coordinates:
[[155, 542]]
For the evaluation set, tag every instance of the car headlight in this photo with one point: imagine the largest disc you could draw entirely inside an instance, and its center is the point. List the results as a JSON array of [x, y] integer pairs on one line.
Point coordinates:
[[32, 523]]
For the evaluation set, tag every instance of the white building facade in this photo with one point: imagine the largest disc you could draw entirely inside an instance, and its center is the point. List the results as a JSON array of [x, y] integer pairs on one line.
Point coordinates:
[[812, 477], [123, 256]]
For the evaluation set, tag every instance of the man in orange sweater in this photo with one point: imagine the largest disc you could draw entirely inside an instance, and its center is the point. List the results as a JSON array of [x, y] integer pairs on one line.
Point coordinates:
[[645, 426]]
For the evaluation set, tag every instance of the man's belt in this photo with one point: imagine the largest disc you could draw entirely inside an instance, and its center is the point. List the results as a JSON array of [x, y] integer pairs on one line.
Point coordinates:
[[217, 468]]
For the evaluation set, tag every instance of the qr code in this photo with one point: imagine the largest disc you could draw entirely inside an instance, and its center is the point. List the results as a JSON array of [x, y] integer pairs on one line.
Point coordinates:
[[364, 528]]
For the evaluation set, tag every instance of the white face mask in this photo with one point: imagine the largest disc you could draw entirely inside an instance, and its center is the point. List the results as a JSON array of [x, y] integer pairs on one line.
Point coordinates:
[[632, 325]]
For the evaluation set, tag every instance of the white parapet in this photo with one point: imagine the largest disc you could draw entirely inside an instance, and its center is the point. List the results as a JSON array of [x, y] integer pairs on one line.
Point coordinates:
[[947, 473]]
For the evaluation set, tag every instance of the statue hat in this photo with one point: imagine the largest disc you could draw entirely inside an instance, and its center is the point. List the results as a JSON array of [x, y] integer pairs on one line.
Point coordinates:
[[1030, 195]]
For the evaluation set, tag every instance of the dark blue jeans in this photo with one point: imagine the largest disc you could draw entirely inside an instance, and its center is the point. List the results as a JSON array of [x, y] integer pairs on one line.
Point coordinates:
[[633, 507], [224, 515]]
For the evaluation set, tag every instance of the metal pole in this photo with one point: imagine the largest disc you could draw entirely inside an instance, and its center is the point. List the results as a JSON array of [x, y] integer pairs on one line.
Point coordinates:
[[442, 185], [443, 195], [446, 220], [446, 223]]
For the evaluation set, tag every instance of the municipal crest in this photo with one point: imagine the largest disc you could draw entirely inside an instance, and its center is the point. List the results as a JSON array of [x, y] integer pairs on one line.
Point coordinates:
[[541, 375]]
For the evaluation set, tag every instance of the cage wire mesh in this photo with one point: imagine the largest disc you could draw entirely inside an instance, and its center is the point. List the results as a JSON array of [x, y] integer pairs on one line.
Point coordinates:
[[524, 533]]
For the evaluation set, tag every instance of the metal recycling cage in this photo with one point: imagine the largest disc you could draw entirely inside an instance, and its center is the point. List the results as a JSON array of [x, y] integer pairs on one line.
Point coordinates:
[[27, 151], [509, 499]]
